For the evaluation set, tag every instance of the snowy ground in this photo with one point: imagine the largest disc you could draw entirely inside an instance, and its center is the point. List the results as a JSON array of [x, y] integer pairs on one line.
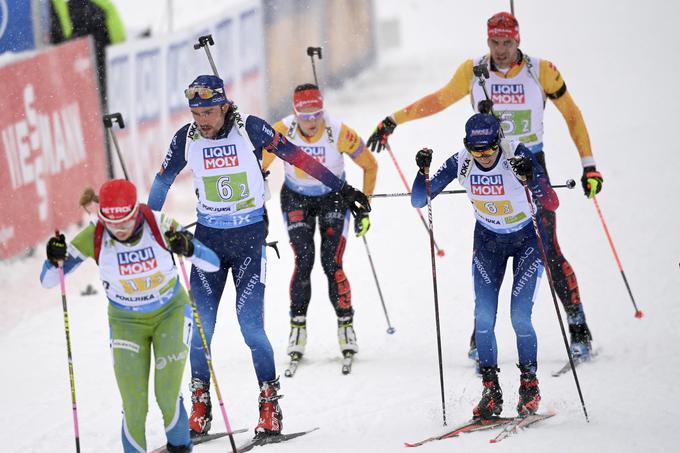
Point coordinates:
[[614, 57]]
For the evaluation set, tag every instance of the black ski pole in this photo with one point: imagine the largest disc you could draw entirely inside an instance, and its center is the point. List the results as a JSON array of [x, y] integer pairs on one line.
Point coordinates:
[[569, 184], [71, 374], [205, 42], [544, 256], [390, 329], [109, 119], [311, 51], [482, 73], [434, 287]]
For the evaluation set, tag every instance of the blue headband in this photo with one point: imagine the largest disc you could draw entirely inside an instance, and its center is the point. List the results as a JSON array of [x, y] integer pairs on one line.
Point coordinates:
[[214, 83]]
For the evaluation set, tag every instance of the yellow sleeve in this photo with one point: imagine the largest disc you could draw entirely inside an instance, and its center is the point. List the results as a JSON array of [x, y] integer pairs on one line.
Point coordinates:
[[556, 90], [456, 89], [267, 157], [350, 143]]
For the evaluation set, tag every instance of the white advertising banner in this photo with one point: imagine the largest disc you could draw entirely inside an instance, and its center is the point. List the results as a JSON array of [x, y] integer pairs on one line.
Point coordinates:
[[146, 80]]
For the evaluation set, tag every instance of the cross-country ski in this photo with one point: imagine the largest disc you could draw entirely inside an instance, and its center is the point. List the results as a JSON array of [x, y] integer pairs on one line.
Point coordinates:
[[259, 441]]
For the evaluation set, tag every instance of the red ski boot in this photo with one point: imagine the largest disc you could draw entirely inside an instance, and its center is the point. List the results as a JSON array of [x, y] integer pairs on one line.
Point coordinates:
[[271, 417], [529, 394], [491, 403], [201, 409]]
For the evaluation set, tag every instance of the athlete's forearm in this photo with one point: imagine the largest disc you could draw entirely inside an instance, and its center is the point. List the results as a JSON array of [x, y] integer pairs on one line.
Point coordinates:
[[456, 89], [577, 127]]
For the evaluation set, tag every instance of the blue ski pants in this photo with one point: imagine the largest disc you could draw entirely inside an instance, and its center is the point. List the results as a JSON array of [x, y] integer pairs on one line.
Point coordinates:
[[489, 259], [243, 251]]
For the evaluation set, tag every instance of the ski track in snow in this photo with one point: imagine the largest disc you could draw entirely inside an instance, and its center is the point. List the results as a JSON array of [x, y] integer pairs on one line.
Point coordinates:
[[612, 55]]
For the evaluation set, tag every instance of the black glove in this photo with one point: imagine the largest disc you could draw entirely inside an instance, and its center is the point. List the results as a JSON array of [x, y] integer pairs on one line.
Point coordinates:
[[361, 224], [522, 166], [378, 139], [356, 201], [179, 242], [591, 181], [56, 249], [485, 106], [424, 159]]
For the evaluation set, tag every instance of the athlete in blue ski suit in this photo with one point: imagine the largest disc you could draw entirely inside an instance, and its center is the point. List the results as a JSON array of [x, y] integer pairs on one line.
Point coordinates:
[[223, 148], [503, 230]]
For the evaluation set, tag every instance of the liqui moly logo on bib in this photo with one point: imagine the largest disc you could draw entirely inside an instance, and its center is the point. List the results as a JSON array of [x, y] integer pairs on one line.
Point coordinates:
[[220, 157], [317, 152], [508, 94], [137, 261], [487, 185]]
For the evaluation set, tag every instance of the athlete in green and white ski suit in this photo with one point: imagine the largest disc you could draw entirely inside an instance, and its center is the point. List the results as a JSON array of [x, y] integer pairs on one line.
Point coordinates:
[[148, 307]]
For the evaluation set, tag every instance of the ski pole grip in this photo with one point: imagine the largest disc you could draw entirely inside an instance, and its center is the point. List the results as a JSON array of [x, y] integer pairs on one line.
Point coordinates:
[[311, 51], [114, 118], [203, 41], [481, 70]]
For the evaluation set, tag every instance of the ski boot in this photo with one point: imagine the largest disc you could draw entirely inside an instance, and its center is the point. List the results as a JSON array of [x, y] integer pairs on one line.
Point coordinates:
[[201, 408], [297, 340], [581, 338], [271, 417], [346, 335], [491, 403], [529, 393]]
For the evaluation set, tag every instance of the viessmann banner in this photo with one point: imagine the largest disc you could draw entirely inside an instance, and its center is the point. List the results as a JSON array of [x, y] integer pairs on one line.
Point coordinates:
[[51, 143]]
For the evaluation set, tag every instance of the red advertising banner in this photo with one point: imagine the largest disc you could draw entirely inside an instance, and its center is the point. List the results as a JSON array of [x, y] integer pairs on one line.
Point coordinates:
[[51, 143]]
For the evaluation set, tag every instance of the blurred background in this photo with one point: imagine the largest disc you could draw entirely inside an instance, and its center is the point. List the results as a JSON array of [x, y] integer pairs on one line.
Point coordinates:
[[68, 63]]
